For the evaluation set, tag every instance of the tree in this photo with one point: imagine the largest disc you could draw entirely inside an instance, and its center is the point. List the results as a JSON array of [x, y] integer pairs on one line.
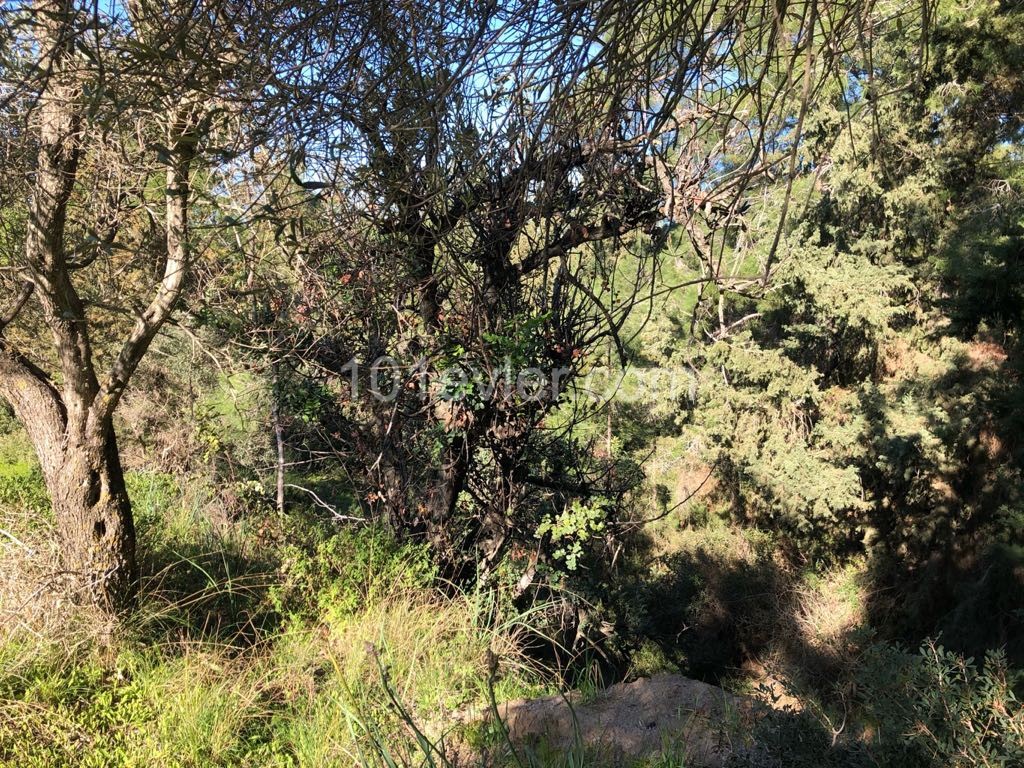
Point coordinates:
[[113, 115], [500, 196], [865, 402], [462, 169]]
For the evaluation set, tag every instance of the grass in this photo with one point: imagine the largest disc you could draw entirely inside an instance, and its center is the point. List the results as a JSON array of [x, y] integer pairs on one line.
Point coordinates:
[[245, 650], [285, 642]]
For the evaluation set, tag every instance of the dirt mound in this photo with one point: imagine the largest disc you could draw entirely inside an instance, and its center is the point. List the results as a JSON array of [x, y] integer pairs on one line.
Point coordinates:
[[698, 723]]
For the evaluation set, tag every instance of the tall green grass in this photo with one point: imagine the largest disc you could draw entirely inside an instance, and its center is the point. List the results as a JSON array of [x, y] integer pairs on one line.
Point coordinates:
[[282, 642]]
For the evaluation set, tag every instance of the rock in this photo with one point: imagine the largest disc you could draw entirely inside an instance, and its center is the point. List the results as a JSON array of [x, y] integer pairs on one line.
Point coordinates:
[[699, 724]]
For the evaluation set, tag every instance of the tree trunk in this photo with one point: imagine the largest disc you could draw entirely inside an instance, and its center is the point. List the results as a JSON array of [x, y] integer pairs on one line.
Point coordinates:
[[94, 523], [279, 443]]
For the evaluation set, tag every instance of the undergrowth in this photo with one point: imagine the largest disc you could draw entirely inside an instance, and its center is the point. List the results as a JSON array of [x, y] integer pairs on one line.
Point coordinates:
[[290, 641], [246, 650]]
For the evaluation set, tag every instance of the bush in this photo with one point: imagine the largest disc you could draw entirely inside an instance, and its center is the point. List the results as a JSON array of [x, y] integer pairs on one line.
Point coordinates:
[[938, 708], [933, 709], [339, 572]]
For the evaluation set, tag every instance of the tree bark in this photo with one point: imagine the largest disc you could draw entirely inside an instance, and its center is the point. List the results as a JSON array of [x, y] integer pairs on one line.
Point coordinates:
[[68, 411], [83, 475], [279, 443], [94, 522]]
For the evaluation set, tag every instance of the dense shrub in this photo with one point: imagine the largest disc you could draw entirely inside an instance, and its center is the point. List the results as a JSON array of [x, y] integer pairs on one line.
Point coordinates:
[[939, 708]]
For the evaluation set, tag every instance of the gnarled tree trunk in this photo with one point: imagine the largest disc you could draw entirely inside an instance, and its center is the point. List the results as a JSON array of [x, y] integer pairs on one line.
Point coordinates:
[[83, 475], [94, 521]]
